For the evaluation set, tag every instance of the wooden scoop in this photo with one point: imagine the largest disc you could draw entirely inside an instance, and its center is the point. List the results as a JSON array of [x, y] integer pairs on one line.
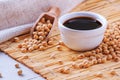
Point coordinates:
[[51, 15]]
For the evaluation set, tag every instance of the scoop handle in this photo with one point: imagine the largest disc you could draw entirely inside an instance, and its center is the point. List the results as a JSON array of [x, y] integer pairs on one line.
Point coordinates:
[[55, 11]]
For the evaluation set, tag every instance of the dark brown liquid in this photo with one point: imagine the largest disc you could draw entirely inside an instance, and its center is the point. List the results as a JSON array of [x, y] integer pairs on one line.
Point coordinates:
[[82, 23]]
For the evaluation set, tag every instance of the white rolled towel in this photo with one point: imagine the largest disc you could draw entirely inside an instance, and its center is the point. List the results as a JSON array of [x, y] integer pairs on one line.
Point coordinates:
[[12, 32]]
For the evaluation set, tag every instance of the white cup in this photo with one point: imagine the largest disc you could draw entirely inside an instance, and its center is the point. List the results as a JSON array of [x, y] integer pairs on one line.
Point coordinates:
[[82, 40]]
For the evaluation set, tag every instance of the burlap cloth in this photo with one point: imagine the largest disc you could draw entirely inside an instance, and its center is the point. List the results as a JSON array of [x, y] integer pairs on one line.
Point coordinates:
[[18, 16]]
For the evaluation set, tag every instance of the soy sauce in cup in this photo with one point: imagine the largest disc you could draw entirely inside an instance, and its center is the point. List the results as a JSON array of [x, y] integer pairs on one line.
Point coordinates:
[[82, 31], [82, 23]]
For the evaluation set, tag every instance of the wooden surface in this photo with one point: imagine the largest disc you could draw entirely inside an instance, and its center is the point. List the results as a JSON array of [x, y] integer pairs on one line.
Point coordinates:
[[41, 63], [9, 72]]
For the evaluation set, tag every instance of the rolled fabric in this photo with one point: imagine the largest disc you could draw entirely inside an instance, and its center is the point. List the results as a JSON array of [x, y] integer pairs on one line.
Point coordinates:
[[14, 13], [12, 32], [19, 12]]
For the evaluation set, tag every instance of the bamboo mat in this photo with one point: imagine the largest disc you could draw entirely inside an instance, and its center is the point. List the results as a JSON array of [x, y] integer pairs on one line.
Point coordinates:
[[41, 63]]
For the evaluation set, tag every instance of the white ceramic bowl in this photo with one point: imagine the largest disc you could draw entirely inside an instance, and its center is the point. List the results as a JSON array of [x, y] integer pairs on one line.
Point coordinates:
[[82, 40]]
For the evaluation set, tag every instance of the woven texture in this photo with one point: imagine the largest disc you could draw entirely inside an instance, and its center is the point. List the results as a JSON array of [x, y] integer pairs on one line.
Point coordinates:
[[42, 63]]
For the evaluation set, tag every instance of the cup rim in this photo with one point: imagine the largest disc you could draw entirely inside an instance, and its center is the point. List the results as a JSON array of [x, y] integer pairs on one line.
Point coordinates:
[[103, 22]]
